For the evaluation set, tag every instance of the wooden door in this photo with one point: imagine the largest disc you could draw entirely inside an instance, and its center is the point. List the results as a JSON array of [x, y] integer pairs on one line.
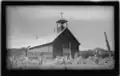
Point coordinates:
[[66, 50]]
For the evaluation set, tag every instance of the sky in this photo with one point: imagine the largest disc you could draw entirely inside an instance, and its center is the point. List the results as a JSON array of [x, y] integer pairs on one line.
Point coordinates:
[[87, 23]]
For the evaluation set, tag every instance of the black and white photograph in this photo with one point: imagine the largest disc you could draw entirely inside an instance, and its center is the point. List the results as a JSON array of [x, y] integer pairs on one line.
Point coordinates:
[[60, 37]]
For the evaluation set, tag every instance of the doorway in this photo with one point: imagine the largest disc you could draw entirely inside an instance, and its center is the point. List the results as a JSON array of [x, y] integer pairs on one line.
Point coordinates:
[[66, 49]]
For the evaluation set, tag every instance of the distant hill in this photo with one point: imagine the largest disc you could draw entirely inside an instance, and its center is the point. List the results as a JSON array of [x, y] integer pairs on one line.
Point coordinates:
[[100, 52], [86, 53]]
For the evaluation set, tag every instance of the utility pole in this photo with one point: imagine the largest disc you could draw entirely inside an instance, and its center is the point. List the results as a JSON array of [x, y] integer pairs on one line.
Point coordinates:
[[27, 49], [107, 44]]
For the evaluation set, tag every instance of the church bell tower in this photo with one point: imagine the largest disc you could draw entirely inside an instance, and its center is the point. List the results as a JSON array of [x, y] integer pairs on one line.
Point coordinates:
[[61, 24]]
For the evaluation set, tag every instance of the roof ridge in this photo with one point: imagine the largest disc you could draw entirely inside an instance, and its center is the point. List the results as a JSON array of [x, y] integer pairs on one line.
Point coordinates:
[[48, 39]]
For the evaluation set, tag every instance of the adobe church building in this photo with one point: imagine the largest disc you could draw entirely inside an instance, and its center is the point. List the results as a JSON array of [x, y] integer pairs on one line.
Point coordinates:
[[62, 43]]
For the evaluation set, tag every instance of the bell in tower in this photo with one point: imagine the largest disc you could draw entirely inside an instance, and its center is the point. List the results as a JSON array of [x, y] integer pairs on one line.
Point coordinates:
[[61, 24]]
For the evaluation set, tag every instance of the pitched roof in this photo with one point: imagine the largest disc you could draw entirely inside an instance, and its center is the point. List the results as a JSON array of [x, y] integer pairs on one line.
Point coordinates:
[[46, 40], [42, 41]]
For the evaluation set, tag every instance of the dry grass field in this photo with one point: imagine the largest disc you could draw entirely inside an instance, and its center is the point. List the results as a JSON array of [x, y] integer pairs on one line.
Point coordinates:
[[77, 63]]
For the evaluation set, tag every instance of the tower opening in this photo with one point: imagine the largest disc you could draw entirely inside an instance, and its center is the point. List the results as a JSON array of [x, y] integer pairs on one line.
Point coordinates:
[[61, 24]]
